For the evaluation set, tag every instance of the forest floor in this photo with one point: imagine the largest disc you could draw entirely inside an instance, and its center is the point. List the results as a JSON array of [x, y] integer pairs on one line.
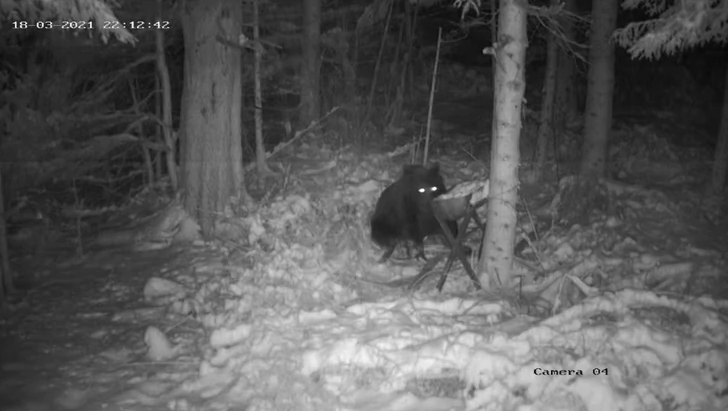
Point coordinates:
[[77, 340]]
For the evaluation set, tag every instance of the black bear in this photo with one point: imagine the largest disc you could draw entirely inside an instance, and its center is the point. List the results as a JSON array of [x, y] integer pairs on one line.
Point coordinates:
[[404, 210]]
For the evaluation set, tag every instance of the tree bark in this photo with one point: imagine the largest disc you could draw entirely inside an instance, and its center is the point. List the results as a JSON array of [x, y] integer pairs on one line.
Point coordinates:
[[260, 162], [311, 65], [566, 101], [212, 170], [170, 140], [6, 276], [510, 86], [721, 151], [546, 126], [600, 89]]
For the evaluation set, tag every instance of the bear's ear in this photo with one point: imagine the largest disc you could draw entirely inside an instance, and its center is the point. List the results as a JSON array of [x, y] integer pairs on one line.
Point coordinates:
[[434, 168]]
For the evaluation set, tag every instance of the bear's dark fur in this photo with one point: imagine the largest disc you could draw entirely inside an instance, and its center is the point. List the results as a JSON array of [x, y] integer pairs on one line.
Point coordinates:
[[404, 210]]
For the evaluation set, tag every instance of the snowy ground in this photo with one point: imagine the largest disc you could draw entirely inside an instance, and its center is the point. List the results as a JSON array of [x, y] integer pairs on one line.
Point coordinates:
[[624, 311]]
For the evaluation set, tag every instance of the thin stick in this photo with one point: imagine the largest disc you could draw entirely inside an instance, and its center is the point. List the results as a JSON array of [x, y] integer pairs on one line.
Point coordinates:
[[299, 134], [432, 96]]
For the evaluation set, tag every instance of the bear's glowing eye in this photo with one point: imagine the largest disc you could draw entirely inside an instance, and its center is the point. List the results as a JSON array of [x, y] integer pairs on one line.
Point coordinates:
[[421, 190], [433, 189]]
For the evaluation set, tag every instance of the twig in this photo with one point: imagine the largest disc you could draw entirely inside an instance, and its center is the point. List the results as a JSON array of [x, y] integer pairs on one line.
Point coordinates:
[[298, 135], [548, 18]]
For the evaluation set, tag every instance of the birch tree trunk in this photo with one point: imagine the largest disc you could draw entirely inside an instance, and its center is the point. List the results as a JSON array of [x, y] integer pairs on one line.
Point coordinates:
[[600, 89], [212, 170], [510, 85]]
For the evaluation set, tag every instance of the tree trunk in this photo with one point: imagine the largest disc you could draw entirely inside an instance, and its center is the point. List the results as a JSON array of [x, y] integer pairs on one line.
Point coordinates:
[[510, 85], [170, 139], [212, 169], [311, 65], [160, 130], [260, 162], [544, 138], [378, 64], [566, 102], [6, 276], [721, 151], [600, 89]]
